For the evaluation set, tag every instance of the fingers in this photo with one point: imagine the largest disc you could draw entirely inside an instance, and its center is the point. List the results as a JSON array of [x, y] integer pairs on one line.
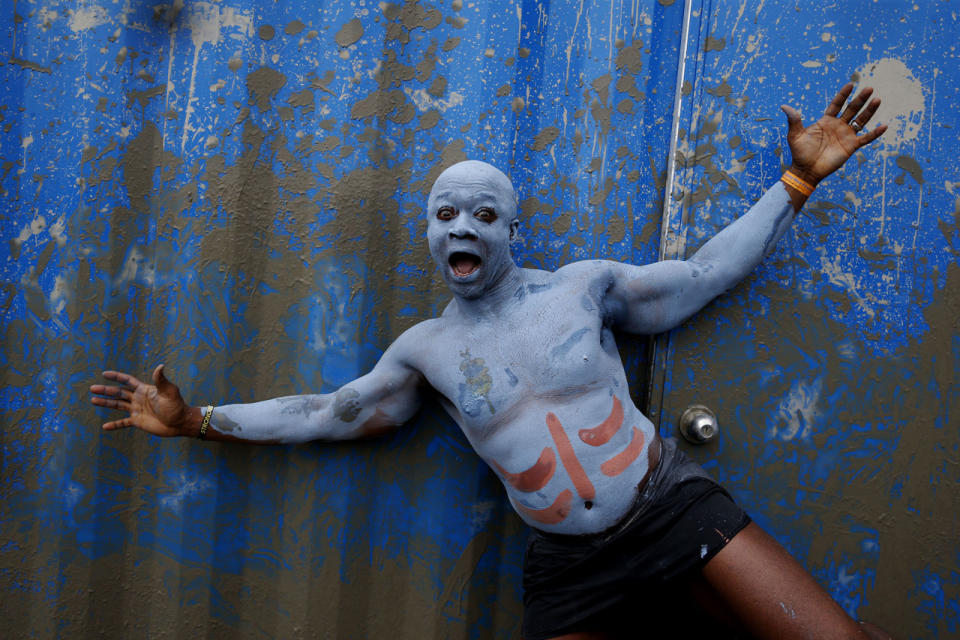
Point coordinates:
[[856, 104], [859, 123], [794, 122], [855, 114], [118, 424], [839, 100], [870, 136], [111, 397], [110, 403], [122, 378], [104, 390], [864, 116], [159, 379]]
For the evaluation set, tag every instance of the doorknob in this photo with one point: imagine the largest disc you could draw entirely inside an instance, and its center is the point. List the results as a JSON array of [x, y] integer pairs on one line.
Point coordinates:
[[699, 425]]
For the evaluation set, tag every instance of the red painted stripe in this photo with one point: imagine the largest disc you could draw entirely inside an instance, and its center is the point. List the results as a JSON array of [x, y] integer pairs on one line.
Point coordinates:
[[534, 478], [569, 459], [554, 514], [602, 433], [615, 465]]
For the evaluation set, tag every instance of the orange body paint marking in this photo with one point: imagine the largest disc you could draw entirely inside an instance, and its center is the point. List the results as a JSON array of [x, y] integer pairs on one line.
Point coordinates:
[[554, 514], [569, 459], [615, 465], [534, 478], [602, 433]]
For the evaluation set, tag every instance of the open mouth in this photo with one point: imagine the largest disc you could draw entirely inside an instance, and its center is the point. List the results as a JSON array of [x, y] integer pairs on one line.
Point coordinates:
[[463, 264]]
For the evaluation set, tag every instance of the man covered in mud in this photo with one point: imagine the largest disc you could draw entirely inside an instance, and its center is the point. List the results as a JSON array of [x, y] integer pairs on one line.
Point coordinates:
[[526, 363]]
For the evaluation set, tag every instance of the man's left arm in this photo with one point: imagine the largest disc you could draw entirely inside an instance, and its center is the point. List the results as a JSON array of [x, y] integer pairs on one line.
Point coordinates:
[[660, 296]]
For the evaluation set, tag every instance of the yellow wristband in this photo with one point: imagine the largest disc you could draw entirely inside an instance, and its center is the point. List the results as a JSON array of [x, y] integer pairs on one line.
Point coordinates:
[[206, 422], [792, 180]]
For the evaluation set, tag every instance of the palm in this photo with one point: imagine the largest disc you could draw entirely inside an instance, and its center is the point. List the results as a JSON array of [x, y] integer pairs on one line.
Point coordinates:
[[155, 408], [824, 146], [153, 411]]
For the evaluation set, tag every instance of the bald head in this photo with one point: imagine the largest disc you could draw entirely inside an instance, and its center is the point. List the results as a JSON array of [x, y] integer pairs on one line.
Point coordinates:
[[471, 219], [480, 176]]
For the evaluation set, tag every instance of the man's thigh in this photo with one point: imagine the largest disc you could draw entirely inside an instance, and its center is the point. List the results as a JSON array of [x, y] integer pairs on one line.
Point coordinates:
[[681, 610], [771, 594]]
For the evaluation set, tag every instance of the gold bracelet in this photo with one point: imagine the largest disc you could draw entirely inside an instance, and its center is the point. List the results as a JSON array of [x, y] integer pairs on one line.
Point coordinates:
[[792, 180], [206, 422]]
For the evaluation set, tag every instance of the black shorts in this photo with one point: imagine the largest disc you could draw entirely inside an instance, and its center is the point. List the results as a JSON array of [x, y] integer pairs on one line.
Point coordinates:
[[681, 519]]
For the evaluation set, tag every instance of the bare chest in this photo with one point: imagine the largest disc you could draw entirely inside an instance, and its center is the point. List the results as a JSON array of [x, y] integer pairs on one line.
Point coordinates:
[[551, 347]]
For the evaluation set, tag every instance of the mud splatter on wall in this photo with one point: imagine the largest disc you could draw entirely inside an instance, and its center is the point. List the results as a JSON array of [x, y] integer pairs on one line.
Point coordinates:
[[236, 189], [834, 369]]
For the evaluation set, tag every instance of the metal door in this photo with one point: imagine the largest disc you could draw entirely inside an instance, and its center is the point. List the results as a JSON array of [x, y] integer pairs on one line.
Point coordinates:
[[833, 369]]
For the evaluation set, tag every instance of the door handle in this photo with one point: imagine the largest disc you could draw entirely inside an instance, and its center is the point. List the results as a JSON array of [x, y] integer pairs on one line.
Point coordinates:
[[698, 424]]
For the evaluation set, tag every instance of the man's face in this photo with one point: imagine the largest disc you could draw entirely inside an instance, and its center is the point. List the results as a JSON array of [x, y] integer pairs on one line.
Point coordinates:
[[471, 220]]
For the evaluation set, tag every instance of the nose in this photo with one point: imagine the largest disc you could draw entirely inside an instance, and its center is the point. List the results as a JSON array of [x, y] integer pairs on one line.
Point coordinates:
[[461, 229]]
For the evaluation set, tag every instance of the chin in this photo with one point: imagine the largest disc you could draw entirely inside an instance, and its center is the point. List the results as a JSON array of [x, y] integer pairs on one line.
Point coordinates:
[[468, 290]]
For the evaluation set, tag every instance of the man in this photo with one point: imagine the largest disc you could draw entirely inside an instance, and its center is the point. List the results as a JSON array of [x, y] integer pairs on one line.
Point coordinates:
[[525, 362]]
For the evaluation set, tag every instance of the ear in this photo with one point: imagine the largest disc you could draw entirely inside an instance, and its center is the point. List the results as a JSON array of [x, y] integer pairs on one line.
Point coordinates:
[[514, 226]]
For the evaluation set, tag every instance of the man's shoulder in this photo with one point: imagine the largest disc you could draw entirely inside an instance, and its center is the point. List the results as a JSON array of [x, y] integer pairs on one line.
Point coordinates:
[[609, 271], [408, 348], [590, 278], [420, 331], [588, 271], [601, 281]]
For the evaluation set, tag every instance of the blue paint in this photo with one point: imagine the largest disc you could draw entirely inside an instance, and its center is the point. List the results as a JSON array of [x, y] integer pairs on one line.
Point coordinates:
[[60, 475], [846, 294], [564, 347]]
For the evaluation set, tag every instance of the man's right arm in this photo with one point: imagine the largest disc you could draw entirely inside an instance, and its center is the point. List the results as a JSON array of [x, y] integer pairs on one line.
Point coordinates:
[[381, 400]]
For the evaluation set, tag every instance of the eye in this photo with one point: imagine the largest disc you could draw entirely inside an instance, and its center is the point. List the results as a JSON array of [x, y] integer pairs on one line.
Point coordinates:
[[446, 213], [485, 215]]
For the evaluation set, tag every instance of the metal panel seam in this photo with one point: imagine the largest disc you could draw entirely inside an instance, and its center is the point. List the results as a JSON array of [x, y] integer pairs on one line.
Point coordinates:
[[661, 343]]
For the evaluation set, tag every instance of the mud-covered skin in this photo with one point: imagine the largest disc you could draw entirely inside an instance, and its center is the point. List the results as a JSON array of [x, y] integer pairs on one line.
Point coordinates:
[[567, 366], [525, 360]]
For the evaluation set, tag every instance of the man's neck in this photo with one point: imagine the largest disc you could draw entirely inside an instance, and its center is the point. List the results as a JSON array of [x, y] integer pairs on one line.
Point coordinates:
[[495, 300]]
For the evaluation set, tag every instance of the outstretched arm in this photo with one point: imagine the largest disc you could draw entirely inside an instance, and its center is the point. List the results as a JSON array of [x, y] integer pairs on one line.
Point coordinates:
[[383, 399], [660, 296]]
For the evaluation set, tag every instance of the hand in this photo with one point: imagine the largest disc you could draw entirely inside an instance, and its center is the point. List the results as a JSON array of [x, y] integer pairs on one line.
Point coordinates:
[[156, 408], [823, 147]]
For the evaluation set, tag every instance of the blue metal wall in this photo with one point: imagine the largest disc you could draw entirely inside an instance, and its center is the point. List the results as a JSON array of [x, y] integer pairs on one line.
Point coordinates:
[[834, 369], [235, 188]]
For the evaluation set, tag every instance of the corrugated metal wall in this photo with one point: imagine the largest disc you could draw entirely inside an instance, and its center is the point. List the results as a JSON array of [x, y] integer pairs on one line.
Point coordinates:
[[834, 370], [236, 189]]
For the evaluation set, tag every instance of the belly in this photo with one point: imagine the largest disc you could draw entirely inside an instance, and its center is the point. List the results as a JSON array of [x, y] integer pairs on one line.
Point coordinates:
[[571, 463]]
